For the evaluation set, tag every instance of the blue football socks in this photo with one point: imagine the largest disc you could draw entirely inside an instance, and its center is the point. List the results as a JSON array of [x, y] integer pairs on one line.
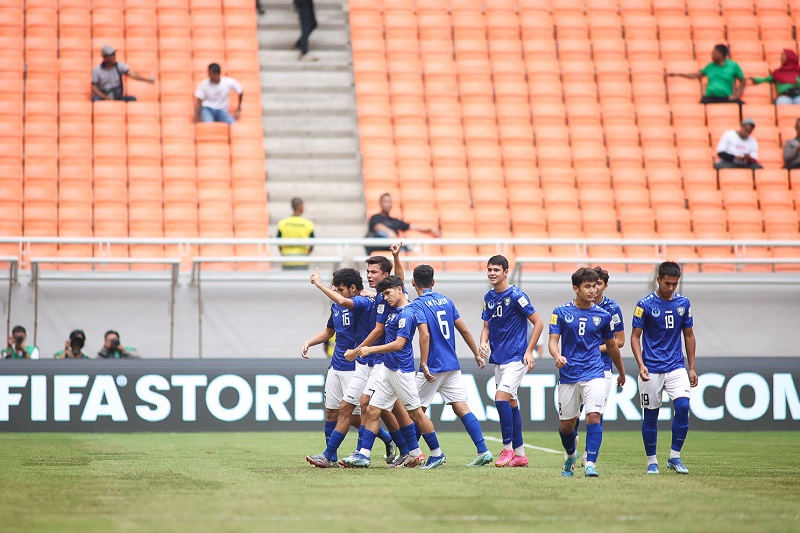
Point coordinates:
[[506, 420], [384, 436], [367, 442], [433, 443], [410, 437], [568, 442], [516, 433], [360, 436], [594, 437], [397, 437], [650, 431], [334, 442], [473, 427], [329, 427], [680, 423]]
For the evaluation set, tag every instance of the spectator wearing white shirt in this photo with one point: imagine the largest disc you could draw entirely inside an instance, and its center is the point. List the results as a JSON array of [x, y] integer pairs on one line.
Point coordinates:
[[738, 149], [212, 97]]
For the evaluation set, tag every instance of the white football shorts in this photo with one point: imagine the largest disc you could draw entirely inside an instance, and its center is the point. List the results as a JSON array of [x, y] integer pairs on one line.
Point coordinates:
[[448, 384], [336, 383], [609, 377], [392, 385], [676, 384], [508, 377], [356, 387], [590, 394]]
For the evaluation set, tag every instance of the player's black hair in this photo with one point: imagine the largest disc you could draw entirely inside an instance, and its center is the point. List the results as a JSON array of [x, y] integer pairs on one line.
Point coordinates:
[[602, 274], [669, 268], [389, 282], [498, 260], [18, 329], [584, 274], [296, 203], [348, 277], [423, 276], [214, 68], [722, 49], [382, 262], [386, 194], [111, 332]]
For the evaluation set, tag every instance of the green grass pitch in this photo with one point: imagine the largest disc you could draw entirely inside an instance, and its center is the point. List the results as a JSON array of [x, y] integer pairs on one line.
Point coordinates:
[[231, 482]]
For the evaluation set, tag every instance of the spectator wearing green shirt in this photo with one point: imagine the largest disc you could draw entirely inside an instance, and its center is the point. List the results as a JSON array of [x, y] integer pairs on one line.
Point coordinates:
[[17, 349], [112, 349], [786, 79], [73, 348], [725, 78]]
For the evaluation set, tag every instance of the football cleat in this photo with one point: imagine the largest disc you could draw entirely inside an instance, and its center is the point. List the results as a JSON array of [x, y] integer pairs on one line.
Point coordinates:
[[391, 452], [482, 459], [416, 461], [356, 460], [433, 462], [590, 471], [400, 461], [505, 457], [653, 468], [677, 465], [519, 461], [320, 461], [569, 466]]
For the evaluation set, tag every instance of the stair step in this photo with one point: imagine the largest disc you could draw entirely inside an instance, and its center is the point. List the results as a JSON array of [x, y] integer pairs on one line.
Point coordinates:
[[285, 18], [317, 170], [319, 125], [287, 60], [293, 104], [292, 147], [305, 81], [322, 39]]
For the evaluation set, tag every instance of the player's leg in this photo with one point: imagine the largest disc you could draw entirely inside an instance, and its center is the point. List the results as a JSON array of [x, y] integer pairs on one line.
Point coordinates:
[[593, 398], [385, 436], [569, 409], [405, 385], [511, 378], [382, 398], [451, 388], [650, 397], [679, 391], [502, 400]]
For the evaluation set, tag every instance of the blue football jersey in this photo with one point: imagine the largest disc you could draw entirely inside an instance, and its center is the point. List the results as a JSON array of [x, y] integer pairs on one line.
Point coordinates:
[[613, 309], [507, 314], [662, 322], [400, 322], [439, 313], [351, 326], [582, 332]]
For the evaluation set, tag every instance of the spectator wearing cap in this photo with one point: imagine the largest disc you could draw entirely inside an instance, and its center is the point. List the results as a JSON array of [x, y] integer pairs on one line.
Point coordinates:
[[725, 78], [738, 149], [212, 97], [107, 77]]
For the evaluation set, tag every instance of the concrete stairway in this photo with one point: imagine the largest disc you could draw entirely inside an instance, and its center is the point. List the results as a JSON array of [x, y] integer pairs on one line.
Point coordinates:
[[310, 120]]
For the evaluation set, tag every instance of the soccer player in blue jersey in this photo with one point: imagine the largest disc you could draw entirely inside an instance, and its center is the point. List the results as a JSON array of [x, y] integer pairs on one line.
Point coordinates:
[[395, 382], [506, 313], [439, 371], [658, 320], [617, 324], [582, 327], [350, 320]]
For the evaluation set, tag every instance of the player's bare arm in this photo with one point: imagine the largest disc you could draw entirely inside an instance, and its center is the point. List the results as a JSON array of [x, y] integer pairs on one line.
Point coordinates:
[[335, 297], [555, 352], [398, 266], [619, 336], [616, 358], [394, 346], [538, 327], [690, 341], [319, 338], [424, 350], [461, 326], [485, 350], [636, 348], [373, 336]]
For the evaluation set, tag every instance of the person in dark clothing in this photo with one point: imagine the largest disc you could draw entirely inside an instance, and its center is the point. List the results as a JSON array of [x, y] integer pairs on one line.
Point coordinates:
[[385, 226], [308, 21]]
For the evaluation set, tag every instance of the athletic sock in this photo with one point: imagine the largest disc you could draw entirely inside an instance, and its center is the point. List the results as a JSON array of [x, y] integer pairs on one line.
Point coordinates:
[[417, 431], [650, 431], [410, 438], [473, 427], [680, 424], [519, 452], [360, 436], [366, 442], [384, 436], [652, 460], [568, 442], [578, 421], [433, 443], [329, 427], [594, 437], [397, 437], [334, 442], [516, 433], [506, 421]]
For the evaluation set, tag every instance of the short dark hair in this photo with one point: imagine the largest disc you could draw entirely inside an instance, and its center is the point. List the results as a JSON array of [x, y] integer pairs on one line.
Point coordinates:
[[18, 329], [584, 274], [384, 195], [423, 276], [215, 68], [111, 332], [602, 274], [389, 282], [669, 269], [348, 277], [381, 261], [722, 49], [77, 333], [498, 260], [296, 203]]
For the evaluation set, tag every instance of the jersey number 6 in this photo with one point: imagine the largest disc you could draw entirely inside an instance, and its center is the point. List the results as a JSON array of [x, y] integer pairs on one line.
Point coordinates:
[[441, 316]]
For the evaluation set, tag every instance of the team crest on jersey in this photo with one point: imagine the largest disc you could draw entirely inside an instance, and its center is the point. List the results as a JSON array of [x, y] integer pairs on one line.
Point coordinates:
[[568, 318], [656, 312], [391, 317], [681, 310], [335, 312], [380, 309], [490, 304], [596, 320], [507, 301], [402, 323]]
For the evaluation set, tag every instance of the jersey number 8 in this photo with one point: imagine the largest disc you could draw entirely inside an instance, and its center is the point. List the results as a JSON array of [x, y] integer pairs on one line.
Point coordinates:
[[582, 328], [441, 316]]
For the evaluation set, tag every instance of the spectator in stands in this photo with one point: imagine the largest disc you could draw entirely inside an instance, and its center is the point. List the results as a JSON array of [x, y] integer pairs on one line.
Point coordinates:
[[107, 77], [738, 149], [17, 349], [786, 79], [296, 227], [212, 97], [791, 150], [73, 348], [308, 21], [725, 78], [385, 226], [112, 349]]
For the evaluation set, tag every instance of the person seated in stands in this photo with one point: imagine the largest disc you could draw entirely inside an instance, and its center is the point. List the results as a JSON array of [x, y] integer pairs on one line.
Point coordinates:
[[73, 348], [738, 149], [212, 97], [107, 77], [791, 150], [17, 349], [786, 79], [725, 78], [112, 349], [385, 226]]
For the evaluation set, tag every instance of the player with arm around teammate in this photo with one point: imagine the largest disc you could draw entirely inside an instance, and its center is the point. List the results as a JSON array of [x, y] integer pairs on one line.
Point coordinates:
[[658, 321], [440, 371], [506, 313], [582, 327], [396, 381]]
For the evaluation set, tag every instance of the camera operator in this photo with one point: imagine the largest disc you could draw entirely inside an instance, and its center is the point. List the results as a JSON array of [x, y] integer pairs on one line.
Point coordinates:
[[112, 349], [73, 348], [16, 348]]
